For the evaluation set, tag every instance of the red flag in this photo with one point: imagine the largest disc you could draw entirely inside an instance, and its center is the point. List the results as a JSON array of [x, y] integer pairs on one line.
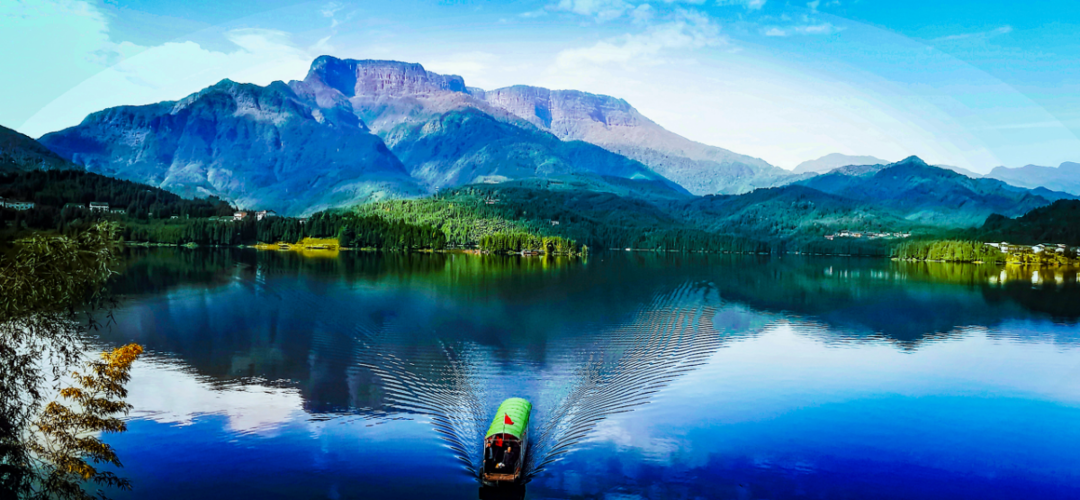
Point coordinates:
[[506, 419]]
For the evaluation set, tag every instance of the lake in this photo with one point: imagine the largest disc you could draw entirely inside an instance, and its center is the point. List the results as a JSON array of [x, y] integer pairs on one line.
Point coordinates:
[[368, 375]]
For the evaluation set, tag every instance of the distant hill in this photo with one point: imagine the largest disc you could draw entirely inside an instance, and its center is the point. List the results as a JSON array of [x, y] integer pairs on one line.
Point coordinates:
[[961, 170], [787, 212], [1066, 177], [835, 160], [20, 153], [250, 145], [930, 195]]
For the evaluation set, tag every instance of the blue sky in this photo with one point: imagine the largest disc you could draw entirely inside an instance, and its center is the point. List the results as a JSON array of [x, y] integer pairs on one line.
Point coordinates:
[[972, 84]]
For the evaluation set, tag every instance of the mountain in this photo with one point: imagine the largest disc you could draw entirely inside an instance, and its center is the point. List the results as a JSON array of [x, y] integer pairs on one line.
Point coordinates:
[[467, 146], [253, 146], [835, 160], [1066, 177], [359, 130], [930, 195], [961, 170], [615, 125], [20, 153], [447, 134]]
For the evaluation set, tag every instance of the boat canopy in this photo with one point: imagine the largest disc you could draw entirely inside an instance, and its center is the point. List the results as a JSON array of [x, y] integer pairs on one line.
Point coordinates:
[[519, 410]]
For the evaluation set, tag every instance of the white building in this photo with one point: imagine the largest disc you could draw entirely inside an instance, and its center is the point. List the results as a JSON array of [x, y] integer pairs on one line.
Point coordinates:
[[99, 206], [16, 205]]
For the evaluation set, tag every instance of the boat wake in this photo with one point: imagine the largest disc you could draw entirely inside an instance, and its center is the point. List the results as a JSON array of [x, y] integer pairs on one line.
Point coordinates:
[[589, 377]]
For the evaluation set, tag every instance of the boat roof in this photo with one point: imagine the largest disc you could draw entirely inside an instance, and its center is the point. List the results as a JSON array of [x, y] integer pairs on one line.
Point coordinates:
[[519, 411]]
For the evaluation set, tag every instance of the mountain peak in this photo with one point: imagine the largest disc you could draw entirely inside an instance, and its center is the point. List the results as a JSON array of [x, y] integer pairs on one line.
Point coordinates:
[[912, 160], [379, 78]]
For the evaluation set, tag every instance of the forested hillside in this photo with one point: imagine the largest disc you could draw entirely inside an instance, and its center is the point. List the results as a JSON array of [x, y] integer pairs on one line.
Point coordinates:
[[1058, 222]]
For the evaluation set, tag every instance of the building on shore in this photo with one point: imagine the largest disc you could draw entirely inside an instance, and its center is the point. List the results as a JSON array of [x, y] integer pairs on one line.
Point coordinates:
[[16, 204]]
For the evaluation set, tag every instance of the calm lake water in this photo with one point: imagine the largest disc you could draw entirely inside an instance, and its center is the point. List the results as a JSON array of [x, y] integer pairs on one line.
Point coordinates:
[[362, 375]]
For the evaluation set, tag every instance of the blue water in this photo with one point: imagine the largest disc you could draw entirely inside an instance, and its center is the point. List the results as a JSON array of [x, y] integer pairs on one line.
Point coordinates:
[[275, 375]]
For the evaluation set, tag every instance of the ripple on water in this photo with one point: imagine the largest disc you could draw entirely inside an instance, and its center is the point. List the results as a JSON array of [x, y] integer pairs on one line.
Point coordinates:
[[590, 376]]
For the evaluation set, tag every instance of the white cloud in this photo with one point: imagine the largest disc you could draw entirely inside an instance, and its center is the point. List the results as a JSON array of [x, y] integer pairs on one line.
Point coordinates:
[[749, 4], [804, 29], [474, 67], [606, 10], [172, 71], [813, 5], [643, 14], [47, 47], [602, 10], [689, 30], [1004, 30], [330, 9], [533, 14]]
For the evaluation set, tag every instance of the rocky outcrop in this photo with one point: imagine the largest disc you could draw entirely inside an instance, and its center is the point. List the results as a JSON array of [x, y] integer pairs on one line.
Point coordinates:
[[381, 78]]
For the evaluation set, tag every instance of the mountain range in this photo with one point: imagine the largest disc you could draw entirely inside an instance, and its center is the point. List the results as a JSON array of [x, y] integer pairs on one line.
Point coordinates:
[[1066, 177], [355, 131], [359, 130], [930, 195]]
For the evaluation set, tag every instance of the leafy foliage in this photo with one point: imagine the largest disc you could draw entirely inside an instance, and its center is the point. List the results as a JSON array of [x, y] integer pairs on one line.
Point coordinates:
[[350, 230], [948, 251], [66, 444], [44, 283]]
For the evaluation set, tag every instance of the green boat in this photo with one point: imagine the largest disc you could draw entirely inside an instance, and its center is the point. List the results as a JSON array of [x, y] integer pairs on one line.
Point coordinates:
[[505, 443]]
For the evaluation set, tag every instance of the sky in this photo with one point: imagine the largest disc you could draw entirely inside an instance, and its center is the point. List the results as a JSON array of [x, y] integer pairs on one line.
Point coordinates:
[[974, 84]]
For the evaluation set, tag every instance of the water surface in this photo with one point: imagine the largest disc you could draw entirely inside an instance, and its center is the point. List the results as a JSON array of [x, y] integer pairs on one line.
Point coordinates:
[[365, 375]]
